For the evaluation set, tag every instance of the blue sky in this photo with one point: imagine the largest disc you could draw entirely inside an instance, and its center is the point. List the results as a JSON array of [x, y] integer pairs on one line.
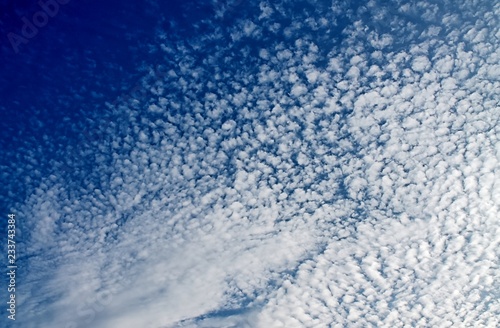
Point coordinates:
[[253, 164]]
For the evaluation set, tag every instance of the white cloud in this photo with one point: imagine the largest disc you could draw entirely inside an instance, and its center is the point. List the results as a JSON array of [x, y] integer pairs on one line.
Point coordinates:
[[420, 64], [299, 90]]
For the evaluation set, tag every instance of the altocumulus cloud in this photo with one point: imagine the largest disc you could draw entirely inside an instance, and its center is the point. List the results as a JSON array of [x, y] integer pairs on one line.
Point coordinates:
[[305, 165]]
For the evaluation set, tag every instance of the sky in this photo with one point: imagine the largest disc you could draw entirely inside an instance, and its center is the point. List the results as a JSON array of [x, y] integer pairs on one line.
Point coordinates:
[[252, 163]]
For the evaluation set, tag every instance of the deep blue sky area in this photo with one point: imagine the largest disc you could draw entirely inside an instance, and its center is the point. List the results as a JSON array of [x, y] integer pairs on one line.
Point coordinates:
[[90, 52], [85, 49]]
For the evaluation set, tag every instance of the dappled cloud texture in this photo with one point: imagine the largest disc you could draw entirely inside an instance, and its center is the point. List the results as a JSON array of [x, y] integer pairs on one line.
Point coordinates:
[[298, 164]]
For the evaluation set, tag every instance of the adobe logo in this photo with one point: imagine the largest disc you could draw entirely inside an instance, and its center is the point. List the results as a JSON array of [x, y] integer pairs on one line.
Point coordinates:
[[30, 28]]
